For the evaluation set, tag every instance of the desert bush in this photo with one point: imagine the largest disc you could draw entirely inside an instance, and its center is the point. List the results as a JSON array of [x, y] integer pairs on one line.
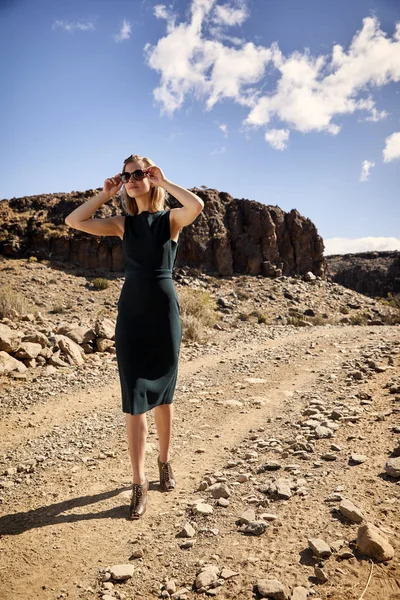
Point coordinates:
[[344, 310], [243, 317], [99, 283], [192, 328], [199, 304], [297, 321], [260, 316], [12, 300], [58, 306], [33, 259], [317, 320], [392, 300], [359, 319]]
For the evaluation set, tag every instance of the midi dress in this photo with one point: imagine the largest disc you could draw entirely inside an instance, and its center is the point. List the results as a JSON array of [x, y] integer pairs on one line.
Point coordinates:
[[148, 329]]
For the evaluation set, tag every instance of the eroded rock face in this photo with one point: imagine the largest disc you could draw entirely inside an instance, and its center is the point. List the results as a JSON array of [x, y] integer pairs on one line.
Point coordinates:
[[370, 273], [229, 236]]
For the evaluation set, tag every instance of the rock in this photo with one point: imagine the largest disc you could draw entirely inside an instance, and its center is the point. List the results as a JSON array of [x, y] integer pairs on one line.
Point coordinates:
[[309, 276], [81, 335], [350, 511], [202, 509], [10, 339], [103, 344], [207, 576], [28, 350], [247, 516], [187, 531], [105, 328], [254, 528], [357, 459], [392, 467], [228, 573], [282, 489], [71, 349], [271, 465], [337, 544], [9, 363], [180, 594], [372, 542], [122, 572], [56, 361], [187, 544], [223, 502], [319, 547], [219, 490], [323, 432], [329, 456], [345, 554], [271, 588], [299, 593], [320, 574], [37, 337], [268, 517], [170, 586]]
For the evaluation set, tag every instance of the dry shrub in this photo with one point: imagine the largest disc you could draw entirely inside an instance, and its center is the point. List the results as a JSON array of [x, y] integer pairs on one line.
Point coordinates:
[[199, 304], [12, 300], [61, 305], [192, 328], [198, 310], [99, 283], [297, 321], [359, 319], [260, 316]]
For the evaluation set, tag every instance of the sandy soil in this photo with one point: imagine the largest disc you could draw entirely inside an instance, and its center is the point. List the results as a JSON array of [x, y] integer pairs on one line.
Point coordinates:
[[239, 403]]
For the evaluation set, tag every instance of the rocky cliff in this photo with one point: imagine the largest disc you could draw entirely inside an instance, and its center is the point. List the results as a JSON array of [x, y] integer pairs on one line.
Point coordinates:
[[370, 273], [229, 236]]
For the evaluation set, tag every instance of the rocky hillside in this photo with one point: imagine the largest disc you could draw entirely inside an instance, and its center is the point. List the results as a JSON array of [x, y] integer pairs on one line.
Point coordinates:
[[370, 273], [51, 318], [230, 236]]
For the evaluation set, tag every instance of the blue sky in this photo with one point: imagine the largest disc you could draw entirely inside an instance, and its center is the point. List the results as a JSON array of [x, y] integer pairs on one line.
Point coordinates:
[[294, 103]]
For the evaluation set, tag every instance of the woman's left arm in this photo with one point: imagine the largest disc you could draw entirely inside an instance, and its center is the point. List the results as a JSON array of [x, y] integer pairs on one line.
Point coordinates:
[[192, 205]]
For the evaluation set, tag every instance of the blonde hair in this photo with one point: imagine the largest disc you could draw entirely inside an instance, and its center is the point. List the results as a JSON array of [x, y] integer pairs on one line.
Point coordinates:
[[157, 197]]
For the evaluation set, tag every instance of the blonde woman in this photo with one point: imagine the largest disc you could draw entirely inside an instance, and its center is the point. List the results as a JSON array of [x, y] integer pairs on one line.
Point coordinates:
[[148, 330]]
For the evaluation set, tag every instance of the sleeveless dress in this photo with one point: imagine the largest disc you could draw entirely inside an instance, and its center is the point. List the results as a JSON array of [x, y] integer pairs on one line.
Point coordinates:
[[148, 329]]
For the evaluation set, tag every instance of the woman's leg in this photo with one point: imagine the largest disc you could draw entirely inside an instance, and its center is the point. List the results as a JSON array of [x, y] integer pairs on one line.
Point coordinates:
[[136, 426], [163, 415]]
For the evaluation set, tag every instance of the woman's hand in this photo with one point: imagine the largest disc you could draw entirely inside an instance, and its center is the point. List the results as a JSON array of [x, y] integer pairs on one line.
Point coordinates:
[[112, 185], [155, 175]]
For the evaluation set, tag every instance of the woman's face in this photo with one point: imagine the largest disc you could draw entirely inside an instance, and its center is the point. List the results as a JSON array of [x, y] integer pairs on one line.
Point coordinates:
[[136, 188]]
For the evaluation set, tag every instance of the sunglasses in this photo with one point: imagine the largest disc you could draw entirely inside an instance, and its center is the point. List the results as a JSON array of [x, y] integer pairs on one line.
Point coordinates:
[[137, 175]]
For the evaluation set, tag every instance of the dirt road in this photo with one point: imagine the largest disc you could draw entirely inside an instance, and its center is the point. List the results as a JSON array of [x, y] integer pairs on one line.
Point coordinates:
[[235, 408]]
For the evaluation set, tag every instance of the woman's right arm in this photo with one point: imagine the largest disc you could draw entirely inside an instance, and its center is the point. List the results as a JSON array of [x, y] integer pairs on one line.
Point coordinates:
[[80, 218]]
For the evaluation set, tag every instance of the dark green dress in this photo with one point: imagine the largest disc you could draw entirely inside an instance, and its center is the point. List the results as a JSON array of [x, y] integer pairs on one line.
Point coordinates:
[[148, 331]]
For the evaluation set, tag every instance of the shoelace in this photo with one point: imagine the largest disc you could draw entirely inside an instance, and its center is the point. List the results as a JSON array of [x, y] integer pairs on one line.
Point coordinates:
[[136, 492], [167, 471]]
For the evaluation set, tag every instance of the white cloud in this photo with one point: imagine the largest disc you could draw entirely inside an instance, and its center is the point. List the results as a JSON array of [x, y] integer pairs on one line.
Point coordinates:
[[162, 12], [219, 151], [71, 25], [392, 148], [311, 92], [224, 128], [338, 245], [124, 33], [365, 169], [377, 115], [230, 14], [277, 138]]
